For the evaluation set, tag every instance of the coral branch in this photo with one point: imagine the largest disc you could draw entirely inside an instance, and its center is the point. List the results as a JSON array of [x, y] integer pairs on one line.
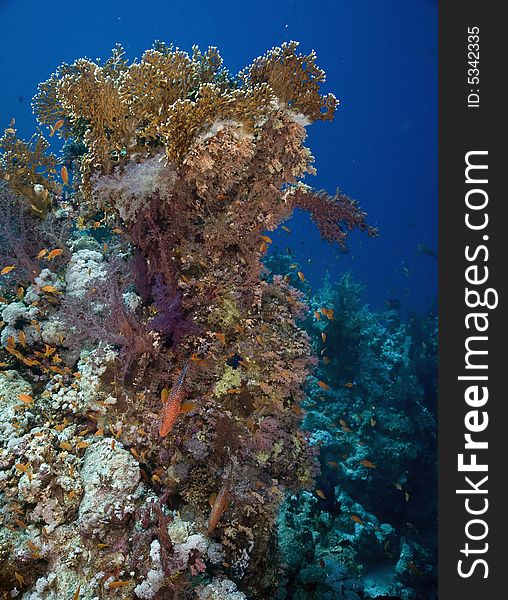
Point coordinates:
[[333, 215]]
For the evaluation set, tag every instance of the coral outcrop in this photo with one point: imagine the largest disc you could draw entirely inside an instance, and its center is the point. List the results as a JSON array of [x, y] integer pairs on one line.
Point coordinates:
[[152, 378]]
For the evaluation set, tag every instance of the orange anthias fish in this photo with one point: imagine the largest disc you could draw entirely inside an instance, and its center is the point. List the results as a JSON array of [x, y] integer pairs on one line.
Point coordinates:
[[54, 128], [328, 312], [344, 426], [54, 253], [65, 175], [367, 464], [323, 385], [8, 269], [173, 405]]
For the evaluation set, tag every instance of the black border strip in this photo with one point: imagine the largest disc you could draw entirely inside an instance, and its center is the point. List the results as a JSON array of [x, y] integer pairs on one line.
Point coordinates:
[[463, 129]]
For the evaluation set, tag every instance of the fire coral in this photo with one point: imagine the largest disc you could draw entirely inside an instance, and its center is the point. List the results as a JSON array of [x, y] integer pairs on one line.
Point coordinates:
[[190, 167]]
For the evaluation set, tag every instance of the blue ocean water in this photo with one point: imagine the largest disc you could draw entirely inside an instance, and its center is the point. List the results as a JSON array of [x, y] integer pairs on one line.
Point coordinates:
[[380, 59]]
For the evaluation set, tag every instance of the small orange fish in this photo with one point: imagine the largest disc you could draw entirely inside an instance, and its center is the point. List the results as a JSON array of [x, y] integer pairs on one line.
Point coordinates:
[[317, 315], [367, 464], [76, 593], [344, 426], [321, 494], [50, 289], [221, 337], [323, 385], [65, 175], [356, 519], [20, 293], [222, 197], [301, 276], [118, 584], [286, 229], [54, 253], [323, 336], [266, 239], [65, 446], [25, 398], [42, 253], [22, 339], [32, 546], [349, 384], [328, 312], [263, 247], [20, 523], [8, 269], [333, 464], [56, 127]]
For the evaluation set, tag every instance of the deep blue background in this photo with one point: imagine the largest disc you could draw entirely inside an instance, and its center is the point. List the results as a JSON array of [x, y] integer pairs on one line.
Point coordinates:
[[381, 62]]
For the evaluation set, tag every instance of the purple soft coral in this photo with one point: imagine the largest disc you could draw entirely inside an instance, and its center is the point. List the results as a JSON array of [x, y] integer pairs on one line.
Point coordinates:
[[170, 320]]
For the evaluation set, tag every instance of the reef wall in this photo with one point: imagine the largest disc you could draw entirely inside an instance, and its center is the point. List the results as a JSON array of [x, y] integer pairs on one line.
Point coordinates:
[[152, 378]]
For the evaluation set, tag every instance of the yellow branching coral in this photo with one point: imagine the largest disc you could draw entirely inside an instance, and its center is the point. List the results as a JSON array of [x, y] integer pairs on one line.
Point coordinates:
[[169, 98], [295, 80], [28, 168]]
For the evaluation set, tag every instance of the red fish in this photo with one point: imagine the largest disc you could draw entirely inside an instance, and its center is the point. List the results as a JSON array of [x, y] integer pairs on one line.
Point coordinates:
[[219, 506], [173, 405]]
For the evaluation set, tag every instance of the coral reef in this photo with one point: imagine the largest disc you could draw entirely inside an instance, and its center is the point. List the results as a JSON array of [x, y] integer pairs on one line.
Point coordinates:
[[152, 376], [369, 529]]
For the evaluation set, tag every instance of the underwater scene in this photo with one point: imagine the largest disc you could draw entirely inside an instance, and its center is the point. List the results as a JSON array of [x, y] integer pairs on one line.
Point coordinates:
[[218, 301]]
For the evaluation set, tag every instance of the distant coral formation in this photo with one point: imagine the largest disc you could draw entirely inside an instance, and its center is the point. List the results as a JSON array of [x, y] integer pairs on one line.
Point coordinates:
[[152, 379], [369, 529]]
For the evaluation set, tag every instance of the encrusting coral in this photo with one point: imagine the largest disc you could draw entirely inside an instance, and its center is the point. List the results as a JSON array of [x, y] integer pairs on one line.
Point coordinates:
[[178, 170]]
